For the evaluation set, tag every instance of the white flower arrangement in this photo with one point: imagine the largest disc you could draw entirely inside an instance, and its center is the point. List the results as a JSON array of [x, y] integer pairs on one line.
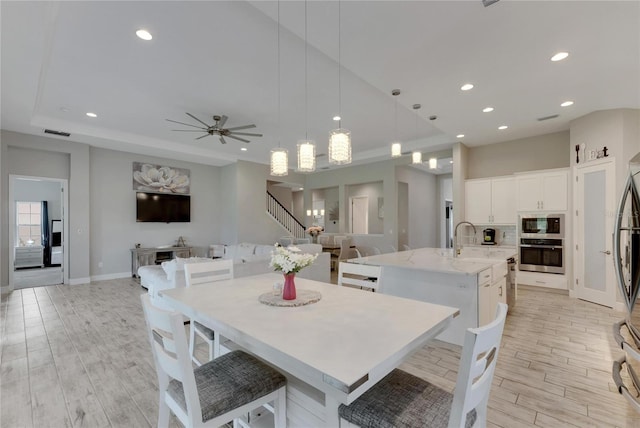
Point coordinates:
[[290, 260]]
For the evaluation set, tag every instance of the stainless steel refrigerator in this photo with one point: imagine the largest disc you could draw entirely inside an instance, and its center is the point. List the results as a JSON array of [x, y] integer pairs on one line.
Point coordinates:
[[626, 250]]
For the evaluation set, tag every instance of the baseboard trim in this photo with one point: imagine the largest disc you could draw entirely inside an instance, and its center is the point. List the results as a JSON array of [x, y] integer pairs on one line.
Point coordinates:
[[78, 281], [6, 289], [109, 276]]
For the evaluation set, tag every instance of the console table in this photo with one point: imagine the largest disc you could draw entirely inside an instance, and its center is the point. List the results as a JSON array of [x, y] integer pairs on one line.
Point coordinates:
[[155, 256]]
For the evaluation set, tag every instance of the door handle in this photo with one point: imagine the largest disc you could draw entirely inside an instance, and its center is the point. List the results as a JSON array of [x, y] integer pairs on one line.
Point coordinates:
[[606, 252]]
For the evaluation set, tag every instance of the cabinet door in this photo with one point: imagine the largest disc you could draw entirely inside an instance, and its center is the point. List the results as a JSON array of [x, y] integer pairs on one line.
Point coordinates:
[[501, 293], [503, 201], [528, 193], [554, 190], [478, 201], [486, 307]]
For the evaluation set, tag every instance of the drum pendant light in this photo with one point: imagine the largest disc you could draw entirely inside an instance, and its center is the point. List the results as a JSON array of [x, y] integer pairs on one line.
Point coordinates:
[[279, 159], [306, 147], [339, 139], [396, 146]]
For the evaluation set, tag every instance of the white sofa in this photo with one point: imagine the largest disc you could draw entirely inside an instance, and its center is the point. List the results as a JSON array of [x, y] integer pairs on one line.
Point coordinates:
[[248, 259]]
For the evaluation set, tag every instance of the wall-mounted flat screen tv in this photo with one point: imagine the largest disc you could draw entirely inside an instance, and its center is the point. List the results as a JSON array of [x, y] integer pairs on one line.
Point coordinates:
[[163, 208]]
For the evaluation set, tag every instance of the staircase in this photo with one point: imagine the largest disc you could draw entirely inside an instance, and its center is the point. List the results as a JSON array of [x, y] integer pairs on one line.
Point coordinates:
[[283, 217]]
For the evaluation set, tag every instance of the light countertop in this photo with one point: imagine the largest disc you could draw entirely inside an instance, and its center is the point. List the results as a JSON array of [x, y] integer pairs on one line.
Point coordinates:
[[433, 260]]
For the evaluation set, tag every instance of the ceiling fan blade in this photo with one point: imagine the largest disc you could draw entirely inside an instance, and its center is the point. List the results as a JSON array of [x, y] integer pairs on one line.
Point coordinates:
[[192, 116], [222, 121], [188, 130], [222, 140], [187, 124], [246, 133], [238, 138], [205, 135], [241, 127]]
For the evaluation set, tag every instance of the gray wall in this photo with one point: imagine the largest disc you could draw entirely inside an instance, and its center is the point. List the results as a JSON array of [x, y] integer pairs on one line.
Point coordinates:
[[528, 154], [114, 230], [423, 207], [55, 158]]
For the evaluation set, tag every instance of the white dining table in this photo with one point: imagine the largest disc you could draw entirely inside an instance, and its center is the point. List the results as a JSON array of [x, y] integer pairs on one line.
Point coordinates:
[[340, 346]]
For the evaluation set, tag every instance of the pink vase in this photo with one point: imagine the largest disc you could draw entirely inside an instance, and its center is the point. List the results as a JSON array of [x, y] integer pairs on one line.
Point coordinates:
[[289, 290]]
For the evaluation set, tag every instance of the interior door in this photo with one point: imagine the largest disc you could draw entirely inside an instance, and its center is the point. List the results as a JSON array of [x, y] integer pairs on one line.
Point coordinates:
[[359, 214], [595, 207]]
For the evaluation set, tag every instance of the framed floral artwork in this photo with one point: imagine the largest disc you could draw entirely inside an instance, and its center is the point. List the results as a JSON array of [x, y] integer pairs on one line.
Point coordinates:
[[160, 179]]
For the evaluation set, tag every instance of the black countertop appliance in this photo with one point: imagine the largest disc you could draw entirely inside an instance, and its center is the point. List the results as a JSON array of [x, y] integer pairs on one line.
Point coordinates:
[[489, 237]]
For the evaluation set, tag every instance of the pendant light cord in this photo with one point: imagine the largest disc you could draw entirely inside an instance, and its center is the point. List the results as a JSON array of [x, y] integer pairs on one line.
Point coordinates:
[[339, 63], [306, 84], [279, 119]]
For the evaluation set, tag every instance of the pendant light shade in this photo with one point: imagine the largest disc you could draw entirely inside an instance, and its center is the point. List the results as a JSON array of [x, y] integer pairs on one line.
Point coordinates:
[[306, 156], [340, 146], [396, 150], [416, 157], [339, 139], [433, 163], [279, 162]]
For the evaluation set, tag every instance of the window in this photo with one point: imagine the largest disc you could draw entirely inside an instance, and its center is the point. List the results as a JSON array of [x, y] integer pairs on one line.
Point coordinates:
[[29, 223]]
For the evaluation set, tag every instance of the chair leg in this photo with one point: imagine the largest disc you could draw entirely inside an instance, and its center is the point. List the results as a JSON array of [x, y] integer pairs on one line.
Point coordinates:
[[192, 343], [280, 409], [163, 412]]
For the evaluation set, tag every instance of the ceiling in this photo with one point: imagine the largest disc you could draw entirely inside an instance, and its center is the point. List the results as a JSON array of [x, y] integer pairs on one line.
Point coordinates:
[[63, 59]]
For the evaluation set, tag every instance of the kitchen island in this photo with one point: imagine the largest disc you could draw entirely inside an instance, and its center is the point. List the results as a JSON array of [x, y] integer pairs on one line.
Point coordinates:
[[474, 285]]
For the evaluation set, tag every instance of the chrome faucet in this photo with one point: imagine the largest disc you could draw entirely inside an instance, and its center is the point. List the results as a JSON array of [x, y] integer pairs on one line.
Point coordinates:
[[456, 249]]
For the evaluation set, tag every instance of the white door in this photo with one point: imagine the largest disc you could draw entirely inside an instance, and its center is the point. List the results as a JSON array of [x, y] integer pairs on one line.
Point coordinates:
[[359, 214], [595, 207]]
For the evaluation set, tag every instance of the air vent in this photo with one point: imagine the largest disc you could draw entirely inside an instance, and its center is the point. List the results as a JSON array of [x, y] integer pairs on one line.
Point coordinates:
[[59, 133], [553, 116]]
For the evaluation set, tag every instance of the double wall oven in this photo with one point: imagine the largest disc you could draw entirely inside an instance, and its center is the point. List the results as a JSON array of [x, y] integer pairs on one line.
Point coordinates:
[[542, 243]]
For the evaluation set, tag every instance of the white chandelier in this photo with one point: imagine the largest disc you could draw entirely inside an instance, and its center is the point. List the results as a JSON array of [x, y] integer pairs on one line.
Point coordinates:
[[340, 146], [306, 156], [279, 162]]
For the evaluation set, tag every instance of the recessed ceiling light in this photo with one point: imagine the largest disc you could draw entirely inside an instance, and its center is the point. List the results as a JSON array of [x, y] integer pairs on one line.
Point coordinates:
[[450, 161], [466, 86], [144, 34], [336, 118], [566, 104], [487, 109], [460, 136], [244, 149], [502, 127], [64, 109], [559, 56], [92, 114]]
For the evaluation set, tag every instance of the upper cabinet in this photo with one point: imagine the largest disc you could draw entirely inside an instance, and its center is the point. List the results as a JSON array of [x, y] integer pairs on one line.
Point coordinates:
[[490, 201], [545, 191]]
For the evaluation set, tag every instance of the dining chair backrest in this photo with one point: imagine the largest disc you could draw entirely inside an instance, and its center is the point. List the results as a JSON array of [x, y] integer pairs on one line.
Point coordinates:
[[346, 250], [337, 239], [324, 239], [477, 365], [205, 272], [359, 275], [171, 355], [285, 241], [310, 248]]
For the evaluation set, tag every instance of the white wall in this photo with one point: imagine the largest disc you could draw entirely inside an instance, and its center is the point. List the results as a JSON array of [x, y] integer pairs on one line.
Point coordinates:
[[423, 206], [114, 230]]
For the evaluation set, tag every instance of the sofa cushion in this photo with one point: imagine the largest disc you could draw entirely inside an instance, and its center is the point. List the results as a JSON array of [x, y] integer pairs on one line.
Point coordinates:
[[172, 267], [238, 251]]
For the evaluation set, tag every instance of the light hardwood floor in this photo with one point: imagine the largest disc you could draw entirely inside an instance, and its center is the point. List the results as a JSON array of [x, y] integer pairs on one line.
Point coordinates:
[[78, 356]]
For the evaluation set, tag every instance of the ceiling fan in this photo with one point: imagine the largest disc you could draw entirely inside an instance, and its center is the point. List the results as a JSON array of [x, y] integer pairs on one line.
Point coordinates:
[[217, 129]]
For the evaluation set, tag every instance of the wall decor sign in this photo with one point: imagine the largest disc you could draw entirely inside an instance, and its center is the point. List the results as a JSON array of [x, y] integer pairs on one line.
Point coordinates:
[[160, 179]]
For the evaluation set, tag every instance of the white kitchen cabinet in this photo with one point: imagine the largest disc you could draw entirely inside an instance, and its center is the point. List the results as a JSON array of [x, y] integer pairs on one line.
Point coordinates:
[[489, 295], [546, 191], [490, 201]]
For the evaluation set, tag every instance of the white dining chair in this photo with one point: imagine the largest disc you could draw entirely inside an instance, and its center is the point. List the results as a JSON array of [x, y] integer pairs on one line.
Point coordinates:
[[206, 273], [285, 241], [324, 240], [402, 399], [215, 393], [357, 275]]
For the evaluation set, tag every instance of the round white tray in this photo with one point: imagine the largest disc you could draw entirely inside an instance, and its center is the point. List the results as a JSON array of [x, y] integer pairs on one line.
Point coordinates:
[[303, 297]]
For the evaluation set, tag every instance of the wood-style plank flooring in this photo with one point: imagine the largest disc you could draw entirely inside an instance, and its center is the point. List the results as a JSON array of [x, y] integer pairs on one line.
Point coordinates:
[[78, 356]]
